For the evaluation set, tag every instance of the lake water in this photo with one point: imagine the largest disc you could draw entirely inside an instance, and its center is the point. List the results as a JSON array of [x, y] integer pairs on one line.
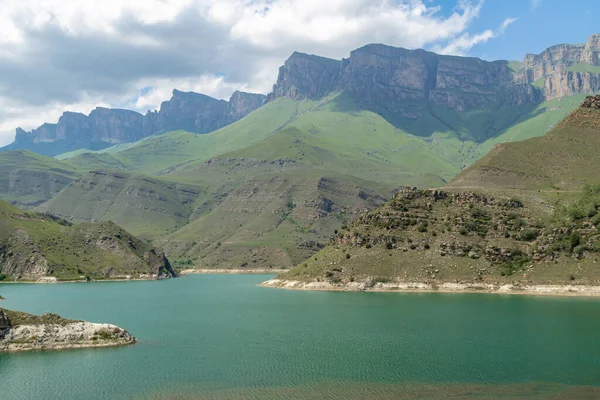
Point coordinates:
[[223, 337]]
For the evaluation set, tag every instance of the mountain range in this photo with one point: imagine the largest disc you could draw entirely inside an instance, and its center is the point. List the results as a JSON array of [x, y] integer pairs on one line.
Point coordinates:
[[104, 127], [331, 141]]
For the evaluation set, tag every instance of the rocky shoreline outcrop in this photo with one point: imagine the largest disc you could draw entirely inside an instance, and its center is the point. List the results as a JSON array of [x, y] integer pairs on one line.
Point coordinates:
[[371, 285], [25, 332]]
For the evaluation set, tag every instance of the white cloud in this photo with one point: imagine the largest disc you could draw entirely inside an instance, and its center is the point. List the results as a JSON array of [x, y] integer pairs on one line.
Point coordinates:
[[463, 43], [57, 54], [536, 3]]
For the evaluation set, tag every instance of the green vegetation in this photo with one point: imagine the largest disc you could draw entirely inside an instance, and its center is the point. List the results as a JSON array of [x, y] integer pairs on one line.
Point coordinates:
[[518, 215], [146, 206], [28, 179], [20, 318], [330, 158], [558, 161], [539, 83], [583, 67], [34, 246]]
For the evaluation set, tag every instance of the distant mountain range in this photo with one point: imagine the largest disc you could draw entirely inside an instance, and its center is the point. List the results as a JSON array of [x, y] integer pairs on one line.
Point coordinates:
[[104, 127], [399, 84]]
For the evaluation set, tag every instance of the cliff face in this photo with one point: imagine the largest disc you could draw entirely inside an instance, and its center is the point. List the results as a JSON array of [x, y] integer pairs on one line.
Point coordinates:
[[305, 76], [392, 80], [565, 69], [184, 111], [22, 332], [242, 104]]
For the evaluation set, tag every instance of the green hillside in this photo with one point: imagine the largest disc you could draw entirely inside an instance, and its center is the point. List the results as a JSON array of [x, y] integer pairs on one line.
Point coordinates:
[[28, 179], [160, 152], [146, 206], [561, 160], [300, 142], [274, 220], [35, 246], [525, 213]]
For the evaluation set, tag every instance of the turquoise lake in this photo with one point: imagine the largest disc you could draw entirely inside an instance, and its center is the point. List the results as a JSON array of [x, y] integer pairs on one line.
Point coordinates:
[[223, 337]]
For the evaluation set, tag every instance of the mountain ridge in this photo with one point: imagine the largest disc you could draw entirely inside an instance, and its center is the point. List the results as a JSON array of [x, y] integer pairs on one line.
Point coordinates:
[[103, 127]]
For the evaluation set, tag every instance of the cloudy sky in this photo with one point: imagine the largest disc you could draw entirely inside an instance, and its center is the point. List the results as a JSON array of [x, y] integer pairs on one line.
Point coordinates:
[[58, 55]]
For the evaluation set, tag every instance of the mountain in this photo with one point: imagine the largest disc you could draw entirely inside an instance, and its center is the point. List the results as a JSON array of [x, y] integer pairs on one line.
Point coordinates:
[[38, 247], [409, 86], [332, 140], [104, 127], [525, 214]]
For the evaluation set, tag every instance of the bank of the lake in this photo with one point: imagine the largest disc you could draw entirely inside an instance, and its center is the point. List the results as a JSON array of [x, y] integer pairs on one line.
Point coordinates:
[[224, 271], [370, 285], [224, 337]]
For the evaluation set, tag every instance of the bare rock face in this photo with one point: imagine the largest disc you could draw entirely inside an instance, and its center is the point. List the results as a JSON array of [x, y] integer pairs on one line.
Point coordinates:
[[242, 104], [305, 76], [553, 66], [571, 83], [191, 112], [391, 80]]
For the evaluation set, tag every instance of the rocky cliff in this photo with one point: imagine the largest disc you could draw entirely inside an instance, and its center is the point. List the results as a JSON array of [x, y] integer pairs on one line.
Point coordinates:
[[22, 332], [565, 69], [395, 80], [104, 127], [398, 83]]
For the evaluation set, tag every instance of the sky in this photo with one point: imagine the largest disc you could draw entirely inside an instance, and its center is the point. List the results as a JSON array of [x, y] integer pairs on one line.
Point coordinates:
[[59, 55]]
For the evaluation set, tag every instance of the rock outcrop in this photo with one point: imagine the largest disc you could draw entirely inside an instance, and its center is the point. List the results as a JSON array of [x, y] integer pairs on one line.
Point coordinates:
[[563, 69], [591, 102], [305, 76], [23, 332], [104, 127]]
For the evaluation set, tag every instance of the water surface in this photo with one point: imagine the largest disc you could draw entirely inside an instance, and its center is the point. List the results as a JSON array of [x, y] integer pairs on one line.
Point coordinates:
[[223, 337]]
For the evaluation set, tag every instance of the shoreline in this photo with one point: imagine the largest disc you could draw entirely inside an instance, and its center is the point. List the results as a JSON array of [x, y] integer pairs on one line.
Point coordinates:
[[222, 271], [44, 281], [415, 287]]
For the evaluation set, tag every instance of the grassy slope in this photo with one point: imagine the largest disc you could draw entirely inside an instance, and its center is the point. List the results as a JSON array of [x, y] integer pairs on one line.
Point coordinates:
[[463, 238], [560, 160], [28, 179], [94, 161], [274, 219], [32, 245], [157, 153], [583, 67], [147, 206]]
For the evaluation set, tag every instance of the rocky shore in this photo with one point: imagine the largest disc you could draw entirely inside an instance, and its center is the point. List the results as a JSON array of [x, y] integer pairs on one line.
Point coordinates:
[[369, 285], [256, 271], [23, 332]]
